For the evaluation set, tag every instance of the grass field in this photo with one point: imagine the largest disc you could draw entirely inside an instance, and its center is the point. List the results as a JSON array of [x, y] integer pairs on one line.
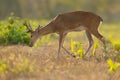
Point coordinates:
[[21, 62]]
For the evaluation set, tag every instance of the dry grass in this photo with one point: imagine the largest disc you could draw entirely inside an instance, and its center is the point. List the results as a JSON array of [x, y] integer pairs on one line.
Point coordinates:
[[48, 67]]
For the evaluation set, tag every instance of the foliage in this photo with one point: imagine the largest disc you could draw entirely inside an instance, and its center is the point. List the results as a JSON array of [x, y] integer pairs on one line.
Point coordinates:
[[77, 49], [118, 58], [13, 31], [117, 46], [95, 46], [113, 66]]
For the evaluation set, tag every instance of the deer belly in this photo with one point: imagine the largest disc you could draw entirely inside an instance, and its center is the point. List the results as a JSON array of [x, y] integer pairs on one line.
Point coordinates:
[[80, 28]]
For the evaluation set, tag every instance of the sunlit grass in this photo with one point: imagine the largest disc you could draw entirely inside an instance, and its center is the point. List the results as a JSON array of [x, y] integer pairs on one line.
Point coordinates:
[[16, 65]]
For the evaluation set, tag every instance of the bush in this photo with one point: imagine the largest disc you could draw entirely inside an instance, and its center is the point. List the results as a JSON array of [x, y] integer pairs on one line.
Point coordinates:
[[13, 31]]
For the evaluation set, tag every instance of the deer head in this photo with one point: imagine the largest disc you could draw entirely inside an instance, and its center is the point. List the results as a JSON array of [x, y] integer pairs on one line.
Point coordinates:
[[34, 33]]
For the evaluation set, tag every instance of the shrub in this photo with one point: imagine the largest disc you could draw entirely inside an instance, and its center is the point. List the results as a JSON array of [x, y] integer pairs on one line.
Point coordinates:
[[12, 31]]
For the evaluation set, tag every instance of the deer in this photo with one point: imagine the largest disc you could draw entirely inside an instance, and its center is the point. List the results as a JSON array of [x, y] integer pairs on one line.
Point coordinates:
[[64, 23]]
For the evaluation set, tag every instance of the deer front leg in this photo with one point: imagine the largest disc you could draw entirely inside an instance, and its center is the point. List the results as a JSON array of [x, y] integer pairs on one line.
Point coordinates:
[[61, 41], [90, 41], [68, 52]]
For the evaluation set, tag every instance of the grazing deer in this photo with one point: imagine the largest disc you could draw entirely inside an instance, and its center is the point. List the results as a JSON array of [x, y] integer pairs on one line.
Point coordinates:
[[67, 22]]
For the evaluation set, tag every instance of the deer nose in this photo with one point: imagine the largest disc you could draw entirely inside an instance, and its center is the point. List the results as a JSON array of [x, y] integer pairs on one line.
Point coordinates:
[[31, 45]]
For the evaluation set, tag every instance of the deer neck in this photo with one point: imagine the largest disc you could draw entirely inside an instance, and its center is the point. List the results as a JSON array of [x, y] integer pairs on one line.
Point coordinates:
[[46, 30]]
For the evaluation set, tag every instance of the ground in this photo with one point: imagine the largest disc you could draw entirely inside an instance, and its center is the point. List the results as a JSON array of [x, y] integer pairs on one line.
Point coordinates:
[[46, 66]]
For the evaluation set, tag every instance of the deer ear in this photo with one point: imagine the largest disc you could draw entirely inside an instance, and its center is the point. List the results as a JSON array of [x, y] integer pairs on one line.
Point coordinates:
[[39, 27]]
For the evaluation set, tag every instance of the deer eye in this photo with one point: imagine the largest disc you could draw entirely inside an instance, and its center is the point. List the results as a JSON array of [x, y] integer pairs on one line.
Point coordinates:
[[31, 36]]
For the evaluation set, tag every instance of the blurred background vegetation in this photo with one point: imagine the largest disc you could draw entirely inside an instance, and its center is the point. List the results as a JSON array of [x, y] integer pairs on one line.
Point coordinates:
[[14, 13], [47, 9]]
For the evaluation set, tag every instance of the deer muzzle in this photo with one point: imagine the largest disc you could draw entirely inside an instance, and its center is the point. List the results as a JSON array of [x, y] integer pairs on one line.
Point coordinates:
[[30, 45]]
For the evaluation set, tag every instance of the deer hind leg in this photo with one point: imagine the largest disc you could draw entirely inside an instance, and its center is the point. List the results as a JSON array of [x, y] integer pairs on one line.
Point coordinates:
[[99, 36], [90, 41]]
